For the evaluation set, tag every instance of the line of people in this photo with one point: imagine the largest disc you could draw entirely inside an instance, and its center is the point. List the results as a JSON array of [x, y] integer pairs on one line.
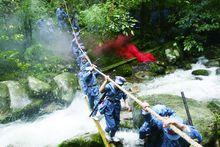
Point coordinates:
[[62, 18], [153, 132]]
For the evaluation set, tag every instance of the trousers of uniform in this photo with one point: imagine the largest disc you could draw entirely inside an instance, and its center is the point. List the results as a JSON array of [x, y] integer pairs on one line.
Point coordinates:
[[93, 96], [111, 110], [144, 130]]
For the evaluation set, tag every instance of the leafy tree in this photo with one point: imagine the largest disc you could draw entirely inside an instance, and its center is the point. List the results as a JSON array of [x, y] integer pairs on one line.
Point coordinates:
[[194, 20]]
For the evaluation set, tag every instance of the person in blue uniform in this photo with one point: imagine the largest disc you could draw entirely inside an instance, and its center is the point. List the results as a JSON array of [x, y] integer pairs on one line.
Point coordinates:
[[82, 60], [89, 78], [61, 18], [111, 106], [82, 63], [154, 133]]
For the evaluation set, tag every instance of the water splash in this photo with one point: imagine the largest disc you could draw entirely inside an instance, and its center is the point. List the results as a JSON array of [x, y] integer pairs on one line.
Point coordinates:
[[51, 129], [129, 137], [180, 80]]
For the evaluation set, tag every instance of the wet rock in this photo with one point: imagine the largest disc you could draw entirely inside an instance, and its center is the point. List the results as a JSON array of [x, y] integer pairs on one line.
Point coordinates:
[[170, 69], [141, 67], [203, 119], [39, 88], [157, 68], [18, 96], [212, 63], [217, 71], [67, 85], [144, 75], [201, 72], [87, 140], [4, 98], [187, 66]]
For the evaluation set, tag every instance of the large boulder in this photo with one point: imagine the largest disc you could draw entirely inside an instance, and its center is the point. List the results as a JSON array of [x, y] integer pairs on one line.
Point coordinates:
[[39, 88], [201, 72], [4, 98], [87, 140], [67, 84], [18, 96], [203, 118]]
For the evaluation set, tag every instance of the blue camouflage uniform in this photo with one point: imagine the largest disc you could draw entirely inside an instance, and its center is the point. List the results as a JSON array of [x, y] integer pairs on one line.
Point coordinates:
[[75, 50], [92, 91], [61, 16], [164, 137], [83, 63], [111, 108], [82, 83]]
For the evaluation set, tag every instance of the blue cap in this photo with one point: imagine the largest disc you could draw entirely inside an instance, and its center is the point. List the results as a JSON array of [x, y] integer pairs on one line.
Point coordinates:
[[162, 110], [120, 80], [169, 133], [194, 134]]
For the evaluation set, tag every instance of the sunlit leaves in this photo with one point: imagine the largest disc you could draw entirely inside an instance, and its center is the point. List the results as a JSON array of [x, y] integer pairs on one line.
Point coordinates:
[[106, 18]]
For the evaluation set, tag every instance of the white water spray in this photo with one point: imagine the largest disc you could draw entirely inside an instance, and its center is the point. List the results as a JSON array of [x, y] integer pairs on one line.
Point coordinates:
[[51, 129]]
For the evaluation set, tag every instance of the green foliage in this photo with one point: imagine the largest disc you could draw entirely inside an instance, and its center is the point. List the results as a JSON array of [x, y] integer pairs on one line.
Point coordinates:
[[10, 63], [195, 19], [106, 18]]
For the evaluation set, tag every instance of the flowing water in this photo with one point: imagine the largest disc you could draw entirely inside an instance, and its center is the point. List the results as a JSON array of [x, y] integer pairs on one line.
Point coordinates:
[[180, 80], [51, 129]]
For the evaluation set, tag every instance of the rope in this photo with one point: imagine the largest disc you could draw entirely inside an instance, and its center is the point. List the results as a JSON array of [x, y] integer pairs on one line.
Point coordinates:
[[174, 128]]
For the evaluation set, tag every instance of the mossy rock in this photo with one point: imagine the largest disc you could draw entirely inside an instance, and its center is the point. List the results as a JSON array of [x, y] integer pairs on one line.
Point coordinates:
[[203, 118], [187, 66], [201, 72], [88, 140], [144, 75], [38, 88], [27, 113], [124, 70], [67, 84], [4, 98], [157, 69], [170, 69], [18, 95]]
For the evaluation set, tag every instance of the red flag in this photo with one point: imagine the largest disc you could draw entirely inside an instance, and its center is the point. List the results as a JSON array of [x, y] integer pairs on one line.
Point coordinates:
[[124, 49]]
